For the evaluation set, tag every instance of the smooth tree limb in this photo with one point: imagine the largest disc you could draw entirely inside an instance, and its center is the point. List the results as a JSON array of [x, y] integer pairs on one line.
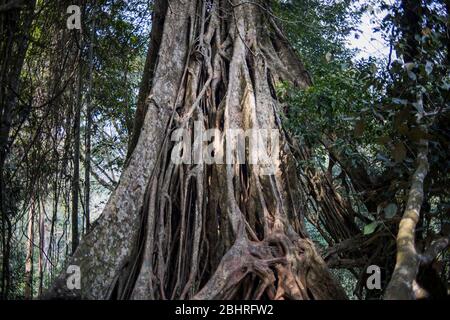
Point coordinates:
[[401, 285]]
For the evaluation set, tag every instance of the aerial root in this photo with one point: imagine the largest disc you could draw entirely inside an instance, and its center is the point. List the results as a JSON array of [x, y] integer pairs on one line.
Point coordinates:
[[275, 261]]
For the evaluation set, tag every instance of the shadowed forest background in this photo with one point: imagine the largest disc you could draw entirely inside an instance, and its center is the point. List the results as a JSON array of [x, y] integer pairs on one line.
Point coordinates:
[[367, 135]]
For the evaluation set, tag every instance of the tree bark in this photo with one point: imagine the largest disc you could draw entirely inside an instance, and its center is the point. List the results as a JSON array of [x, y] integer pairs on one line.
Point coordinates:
[[41, 247], [403, 280], [29, 258], [208, 231], [76, 161], [87, 160], [401, 285], [158, 16]]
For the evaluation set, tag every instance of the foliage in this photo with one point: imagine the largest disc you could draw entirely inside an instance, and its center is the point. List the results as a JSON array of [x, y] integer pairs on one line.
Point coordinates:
[[40, 166], [375, 111]]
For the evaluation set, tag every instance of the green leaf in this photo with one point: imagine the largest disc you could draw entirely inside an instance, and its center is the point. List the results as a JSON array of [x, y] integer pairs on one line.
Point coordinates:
[[134, 39], [390, 210], [370, 228]]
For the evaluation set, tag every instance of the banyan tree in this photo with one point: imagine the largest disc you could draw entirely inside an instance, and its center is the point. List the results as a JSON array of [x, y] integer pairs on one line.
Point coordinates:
[[206, 230]]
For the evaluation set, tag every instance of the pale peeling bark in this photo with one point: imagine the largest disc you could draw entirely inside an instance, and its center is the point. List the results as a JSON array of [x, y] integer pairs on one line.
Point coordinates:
[[401, 286], [208, 231]]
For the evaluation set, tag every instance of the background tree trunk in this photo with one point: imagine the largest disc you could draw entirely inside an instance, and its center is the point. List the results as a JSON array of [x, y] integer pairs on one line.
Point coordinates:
[[76, 160], [29, 258], [87, 161], [41, 247]]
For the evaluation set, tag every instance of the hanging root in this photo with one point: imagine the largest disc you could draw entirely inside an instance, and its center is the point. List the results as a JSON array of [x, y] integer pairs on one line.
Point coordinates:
[[283, 269]]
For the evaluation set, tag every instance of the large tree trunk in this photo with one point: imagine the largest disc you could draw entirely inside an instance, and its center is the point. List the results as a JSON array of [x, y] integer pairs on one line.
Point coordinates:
[[41, 261], [207, 231]]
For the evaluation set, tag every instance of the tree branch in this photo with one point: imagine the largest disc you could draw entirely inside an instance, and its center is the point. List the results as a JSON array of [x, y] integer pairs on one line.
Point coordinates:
[[401, 285], [434, 249]]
